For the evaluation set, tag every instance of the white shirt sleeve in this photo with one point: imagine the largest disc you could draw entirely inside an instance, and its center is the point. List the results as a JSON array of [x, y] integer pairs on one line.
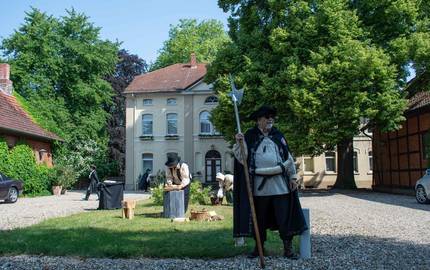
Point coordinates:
[[185, 174], [237, 153], [291, 168]]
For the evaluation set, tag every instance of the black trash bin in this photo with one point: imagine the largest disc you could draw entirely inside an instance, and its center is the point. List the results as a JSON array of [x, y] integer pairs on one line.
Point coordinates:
[[111, 195]]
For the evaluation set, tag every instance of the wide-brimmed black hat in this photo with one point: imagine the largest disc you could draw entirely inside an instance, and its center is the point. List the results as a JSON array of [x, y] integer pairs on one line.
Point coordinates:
[[172, 160], [263, 111]]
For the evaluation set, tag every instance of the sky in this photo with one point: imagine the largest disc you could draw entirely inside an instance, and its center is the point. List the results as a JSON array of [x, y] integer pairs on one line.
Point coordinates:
[[142, 25]]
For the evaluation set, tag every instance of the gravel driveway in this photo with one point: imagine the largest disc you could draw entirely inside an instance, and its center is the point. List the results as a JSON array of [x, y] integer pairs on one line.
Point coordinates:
[[359, 230]]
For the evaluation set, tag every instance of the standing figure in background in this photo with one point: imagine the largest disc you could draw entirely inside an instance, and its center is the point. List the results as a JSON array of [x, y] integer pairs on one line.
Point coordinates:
[[144, 180], [92, 187], [225, 187]]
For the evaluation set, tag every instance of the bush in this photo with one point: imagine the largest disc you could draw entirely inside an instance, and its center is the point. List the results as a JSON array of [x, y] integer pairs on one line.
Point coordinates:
[[157, 194], [43, 176], [198, 194], [4, 157], [63, 175], [22, 166], [159, 178]]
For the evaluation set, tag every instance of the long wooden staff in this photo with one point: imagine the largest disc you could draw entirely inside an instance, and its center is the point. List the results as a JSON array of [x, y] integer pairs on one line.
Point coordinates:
[[236, 97]]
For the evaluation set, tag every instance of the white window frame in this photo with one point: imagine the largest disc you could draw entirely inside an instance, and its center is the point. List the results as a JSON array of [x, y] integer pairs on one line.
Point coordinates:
[[143, 124], [205, 121], [330, 157], [171, 120], [148, 157], [147, 102], [355, 162], [304, 165], [171, 102], [211, 100], [370, 160]]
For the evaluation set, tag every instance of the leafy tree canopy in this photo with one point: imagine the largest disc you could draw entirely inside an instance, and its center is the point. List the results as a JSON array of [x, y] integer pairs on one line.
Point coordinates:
[[204, 39], [59, 67], [325, 65]]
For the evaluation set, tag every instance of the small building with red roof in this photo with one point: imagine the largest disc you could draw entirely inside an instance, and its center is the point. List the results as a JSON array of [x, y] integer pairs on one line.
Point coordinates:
[[17, 125]]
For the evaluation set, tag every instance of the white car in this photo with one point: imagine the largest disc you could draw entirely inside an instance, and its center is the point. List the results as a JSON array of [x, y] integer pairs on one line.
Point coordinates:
[[422, 188]]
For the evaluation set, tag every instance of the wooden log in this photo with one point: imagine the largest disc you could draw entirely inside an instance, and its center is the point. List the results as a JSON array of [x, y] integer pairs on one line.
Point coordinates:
[[128, 208]]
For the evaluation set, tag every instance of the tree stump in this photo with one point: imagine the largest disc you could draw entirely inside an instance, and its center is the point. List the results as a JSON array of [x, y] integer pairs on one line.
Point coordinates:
[[173, 204]]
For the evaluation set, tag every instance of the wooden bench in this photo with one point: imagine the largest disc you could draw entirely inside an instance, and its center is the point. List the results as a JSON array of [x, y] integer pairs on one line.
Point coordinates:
[[128, 208]]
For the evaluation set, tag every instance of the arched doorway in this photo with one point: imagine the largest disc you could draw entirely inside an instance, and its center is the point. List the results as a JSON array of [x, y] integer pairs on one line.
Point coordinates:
[[212, 165]]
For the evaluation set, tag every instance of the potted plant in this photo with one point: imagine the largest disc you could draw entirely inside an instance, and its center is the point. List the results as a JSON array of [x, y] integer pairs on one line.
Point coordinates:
[[56, 186], [64, 177], [67, 176]]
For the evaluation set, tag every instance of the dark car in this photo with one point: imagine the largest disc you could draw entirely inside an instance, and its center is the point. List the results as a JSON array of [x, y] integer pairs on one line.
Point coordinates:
[[9, 188]]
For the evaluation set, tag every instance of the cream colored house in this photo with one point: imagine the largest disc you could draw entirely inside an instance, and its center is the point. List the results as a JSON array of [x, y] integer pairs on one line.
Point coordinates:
[[320, 171], [168, 110]]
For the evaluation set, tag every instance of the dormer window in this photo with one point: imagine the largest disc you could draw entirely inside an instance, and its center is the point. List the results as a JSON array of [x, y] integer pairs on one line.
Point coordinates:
[[211, 100], [147, 102], [171, 101]]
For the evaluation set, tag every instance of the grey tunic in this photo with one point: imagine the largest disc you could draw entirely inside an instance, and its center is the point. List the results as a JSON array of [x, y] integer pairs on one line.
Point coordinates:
[[267, 155]]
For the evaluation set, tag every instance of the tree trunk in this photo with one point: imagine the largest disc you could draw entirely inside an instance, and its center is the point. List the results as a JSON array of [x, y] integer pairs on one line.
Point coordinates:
[[345, 172]]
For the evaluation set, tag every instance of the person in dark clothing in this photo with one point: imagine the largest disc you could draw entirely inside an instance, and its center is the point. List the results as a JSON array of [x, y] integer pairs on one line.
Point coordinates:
[[273, 183], [92, 187], [144, 181]]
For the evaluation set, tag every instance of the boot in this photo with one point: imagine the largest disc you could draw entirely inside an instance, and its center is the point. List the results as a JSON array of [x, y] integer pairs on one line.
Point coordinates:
[[254, 253], [288, 250]]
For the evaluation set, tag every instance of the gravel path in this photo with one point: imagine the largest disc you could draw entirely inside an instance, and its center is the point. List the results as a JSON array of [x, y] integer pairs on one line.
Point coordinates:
[[359, 230], [29, 211]]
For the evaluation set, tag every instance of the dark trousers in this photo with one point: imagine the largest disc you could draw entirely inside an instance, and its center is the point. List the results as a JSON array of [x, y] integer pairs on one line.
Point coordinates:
[[186, 196], [91, 188], [269, 205]]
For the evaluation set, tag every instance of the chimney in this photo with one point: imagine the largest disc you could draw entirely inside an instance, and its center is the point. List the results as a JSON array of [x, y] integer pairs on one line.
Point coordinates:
[[193, 62], [5, 83]]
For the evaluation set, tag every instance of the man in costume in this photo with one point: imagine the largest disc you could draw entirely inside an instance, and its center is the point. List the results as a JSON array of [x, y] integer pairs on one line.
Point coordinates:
[[225, 187], [178, 177], [273, 183], [92, 187], [145, 180]]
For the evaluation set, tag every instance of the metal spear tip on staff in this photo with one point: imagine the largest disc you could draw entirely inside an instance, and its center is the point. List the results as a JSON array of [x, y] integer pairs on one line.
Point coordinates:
[[236, 96]]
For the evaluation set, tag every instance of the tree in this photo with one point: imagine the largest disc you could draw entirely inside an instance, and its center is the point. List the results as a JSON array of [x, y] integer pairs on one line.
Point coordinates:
[[323, 65], [204, 39], [128, 66], [59, 67]]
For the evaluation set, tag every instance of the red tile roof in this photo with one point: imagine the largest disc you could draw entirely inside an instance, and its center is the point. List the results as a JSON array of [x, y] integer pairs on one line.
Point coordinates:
[[419, 100], [14, 119], [418, 91], [169, 79]]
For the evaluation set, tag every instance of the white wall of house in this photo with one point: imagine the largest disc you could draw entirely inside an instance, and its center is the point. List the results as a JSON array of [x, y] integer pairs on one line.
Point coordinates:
[[188, 144], [317, 172]]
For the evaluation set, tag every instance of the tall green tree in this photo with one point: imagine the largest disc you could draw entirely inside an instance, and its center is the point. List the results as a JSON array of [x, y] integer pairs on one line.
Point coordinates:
[[128, 66], [59, 67], [203, 38], [325, 65]]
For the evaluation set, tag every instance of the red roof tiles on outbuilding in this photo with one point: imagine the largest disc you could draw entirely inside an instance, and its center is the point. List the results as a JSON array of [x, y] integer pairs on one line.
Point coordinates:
[[14, 119]]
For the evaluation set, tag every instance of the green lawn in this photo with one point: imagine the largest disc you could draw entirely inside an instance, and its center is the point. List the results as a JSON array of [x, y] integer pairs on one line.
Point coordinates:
[[106, 234]]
